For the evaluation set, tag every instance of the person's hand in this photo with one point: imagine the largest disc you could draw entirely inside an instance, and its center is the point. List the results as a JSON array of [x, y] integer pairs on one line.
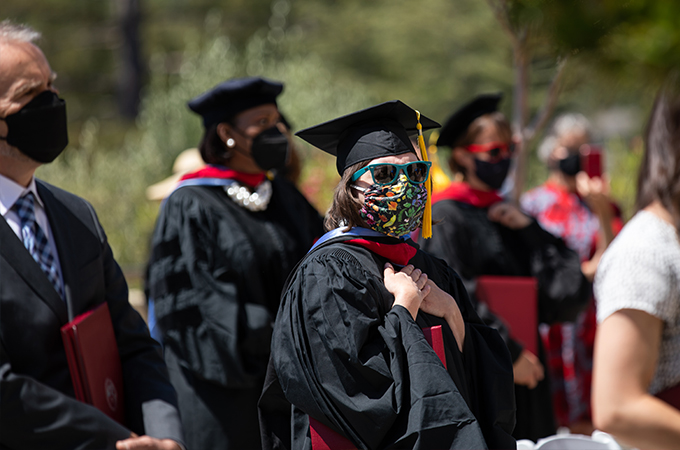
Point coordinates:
[[147, 443], [589, 268], [595, 192], [409, 287], [439, 303], [528, 370], [509, 216]]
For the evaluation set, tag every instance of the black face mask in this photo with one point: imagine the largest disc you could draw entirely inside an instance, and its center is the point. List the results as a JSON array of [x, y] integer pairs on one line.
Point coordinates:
[[571, 165], [39, 129], [492, 174], [270, 149]]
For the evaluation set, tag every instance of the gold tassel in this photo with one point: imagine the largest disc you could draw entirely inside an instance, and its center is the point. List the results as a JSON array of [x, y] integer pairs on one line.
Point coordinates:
[[427, 216]]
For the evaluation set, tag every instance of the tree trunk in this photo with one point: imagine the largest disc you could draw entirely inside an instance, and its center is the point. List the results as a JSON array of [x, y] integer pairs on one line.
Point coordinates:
[[520, 113], [130, 68]]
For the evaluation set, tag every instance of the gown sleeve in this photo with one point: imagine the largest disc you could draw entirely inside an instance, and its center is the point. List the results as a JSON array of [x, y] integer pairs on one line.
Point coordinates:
[[563, 290], [194, 284], [343, 357]]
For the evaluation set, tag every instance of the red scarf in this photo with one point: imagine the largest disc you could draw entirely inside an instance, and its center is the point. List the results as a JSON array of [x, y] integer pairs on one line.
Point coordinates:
[[209, 171], [399, 254], [462, 192]]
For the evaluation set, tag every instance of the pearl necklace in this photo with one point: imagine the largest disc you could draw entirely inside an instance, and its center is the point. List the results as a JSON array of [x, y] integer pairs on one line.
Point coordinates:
[[241, 195]]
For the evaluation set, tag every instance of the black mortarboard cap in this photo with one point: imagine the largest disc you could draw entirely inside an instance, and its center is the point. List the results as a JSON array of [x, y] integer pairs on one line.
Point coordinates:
[[456, 126], [234, 96], [381, 130]]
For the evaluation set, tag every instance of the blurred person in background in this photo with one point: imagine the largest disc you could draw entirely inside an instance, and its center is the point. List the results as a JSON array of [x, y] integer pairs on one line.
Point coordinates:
[[480, 234], [576, 207], [222, 248], [637, 287], [55, 264], [187, 161]]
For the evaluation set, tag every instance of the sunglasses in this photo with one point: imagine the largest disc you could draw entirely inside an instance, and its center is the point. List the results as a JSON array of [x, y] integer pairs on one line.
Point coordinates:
[[494, 149], [416, 172]]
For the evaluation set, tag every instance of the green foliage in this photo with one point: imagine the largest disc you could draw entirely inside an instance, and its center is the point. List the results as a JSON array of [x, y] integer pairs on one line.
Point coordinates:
[[432, 54], [335, 56], [641, 35], [115, 181], [623, 165]]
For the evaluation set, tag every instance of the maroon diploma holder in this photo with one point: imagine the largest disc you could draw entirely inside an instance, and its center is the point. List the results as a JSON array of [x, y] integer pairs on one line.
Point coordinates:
[[515, 300], [94, 362]]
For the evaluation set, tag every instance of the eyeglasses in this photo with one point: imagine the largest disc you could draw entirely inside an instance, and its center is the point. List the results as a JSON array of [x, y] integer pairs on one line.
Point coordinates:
[[495, 150], [416, 171]]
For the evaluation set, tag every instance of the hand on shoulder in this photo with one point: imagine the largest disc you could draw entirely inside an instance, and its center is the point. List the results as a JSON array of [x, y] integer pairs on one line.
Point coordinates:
[[409, 287], [440, 303]]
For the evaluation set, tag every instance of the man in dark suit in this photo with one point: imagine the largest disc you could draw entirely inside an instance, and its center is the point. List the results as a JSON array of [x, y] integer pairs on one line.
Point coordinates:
[[55, 262]]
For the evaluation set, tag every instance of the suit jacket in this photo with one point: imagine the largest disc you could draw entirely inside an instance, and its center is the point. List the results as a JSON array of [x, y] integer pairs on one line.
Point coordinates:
[[37, 404]]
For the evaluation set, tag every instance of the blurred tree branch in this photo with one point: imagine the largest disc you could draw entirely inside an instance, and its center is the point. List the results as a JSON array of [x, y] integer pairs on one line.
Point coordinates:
[[519, 33]]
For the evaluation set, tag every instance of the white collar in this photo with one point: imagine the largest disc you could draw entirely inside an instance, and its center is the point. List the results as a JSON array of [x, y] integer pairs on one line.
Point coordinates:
[[10, 192]]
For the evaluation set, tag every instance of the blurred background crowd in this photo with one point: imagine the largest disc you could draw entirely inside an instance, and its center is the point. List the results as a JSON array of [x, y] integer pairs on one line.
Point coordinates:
[[127, 68]]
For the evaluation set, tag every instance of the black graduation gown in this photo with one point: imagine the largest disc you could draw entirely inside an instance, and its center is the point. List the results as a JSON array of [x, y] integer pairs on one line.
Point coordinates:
[[473, 245], [216, 274], [342, 355]]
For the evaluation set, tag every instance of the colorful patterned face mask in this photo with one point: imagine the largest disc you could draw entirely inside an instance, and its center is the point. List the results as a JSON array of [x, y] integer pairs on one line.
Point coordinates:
[[394, 209]]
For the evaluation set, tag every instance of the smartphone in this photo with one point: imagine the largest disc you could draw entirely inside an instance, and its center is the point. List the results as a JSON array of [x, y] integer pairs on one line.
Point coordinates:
[[591, 160]]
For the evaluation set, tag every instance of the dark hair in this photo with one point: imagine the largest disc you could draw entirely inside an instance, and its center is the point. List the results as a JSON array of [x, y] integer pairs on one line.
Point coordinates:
[[659, 177], [475, 128], [212, 148], [345, 208]]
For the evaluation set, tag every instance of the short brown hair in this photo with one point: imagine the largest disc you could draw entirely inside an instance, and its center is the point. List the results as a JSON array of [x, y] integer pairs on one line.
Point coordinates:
[[345, 208], [659, 177], [473, 131]]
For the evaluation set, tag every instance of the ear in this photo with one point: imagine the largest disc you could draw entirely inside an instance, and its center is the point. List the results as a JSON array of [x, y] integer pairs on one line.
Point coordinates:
[[224, 131]]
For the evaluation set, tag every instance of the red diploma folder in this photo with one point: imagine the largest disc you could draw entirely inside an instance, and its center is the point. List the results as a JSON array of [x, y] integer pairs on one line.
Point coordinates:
[[323, 438], [435, 338], [515, 300], [93, 361]]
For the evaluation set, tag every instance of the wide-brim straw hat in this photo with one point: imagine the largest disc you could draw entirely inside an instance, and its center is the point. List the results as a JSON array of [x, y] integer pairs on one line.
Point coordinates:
[[188, 161]]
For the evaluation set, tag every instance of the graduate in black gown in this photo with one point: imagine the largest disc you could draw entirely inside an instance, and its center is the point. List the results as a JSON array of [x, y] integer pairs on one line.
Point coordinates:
[[480, 234], [223, 246], [348, 351]]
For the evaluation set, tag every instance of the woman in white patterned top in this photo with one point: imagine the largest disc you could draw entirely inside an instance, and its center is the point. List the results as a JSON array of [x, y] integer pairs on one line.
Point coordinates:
[[637, 347]]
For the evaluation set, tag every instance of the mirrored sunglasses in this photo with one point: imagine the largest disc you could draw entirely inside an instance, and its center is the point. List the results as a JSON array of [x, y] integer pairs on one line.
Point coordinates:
[[416, 172]]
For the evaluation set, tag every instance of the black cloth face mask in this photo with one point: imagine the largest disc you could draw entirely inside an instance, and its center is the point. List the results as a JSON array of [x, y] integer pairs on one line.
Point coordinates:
[[270, 149], [571, 165], [39, 129], [492, 174]]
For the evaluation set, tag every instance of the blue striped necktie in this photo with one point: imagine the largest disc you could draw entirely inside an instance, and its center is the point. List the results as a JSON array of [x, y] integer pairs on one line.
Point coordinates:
[[36, 242]]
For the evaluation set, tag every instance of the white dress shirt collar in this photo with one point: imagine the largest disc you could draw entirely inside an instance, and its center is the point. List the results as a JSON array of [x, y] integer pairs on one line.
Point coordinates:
[[10, 192]]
